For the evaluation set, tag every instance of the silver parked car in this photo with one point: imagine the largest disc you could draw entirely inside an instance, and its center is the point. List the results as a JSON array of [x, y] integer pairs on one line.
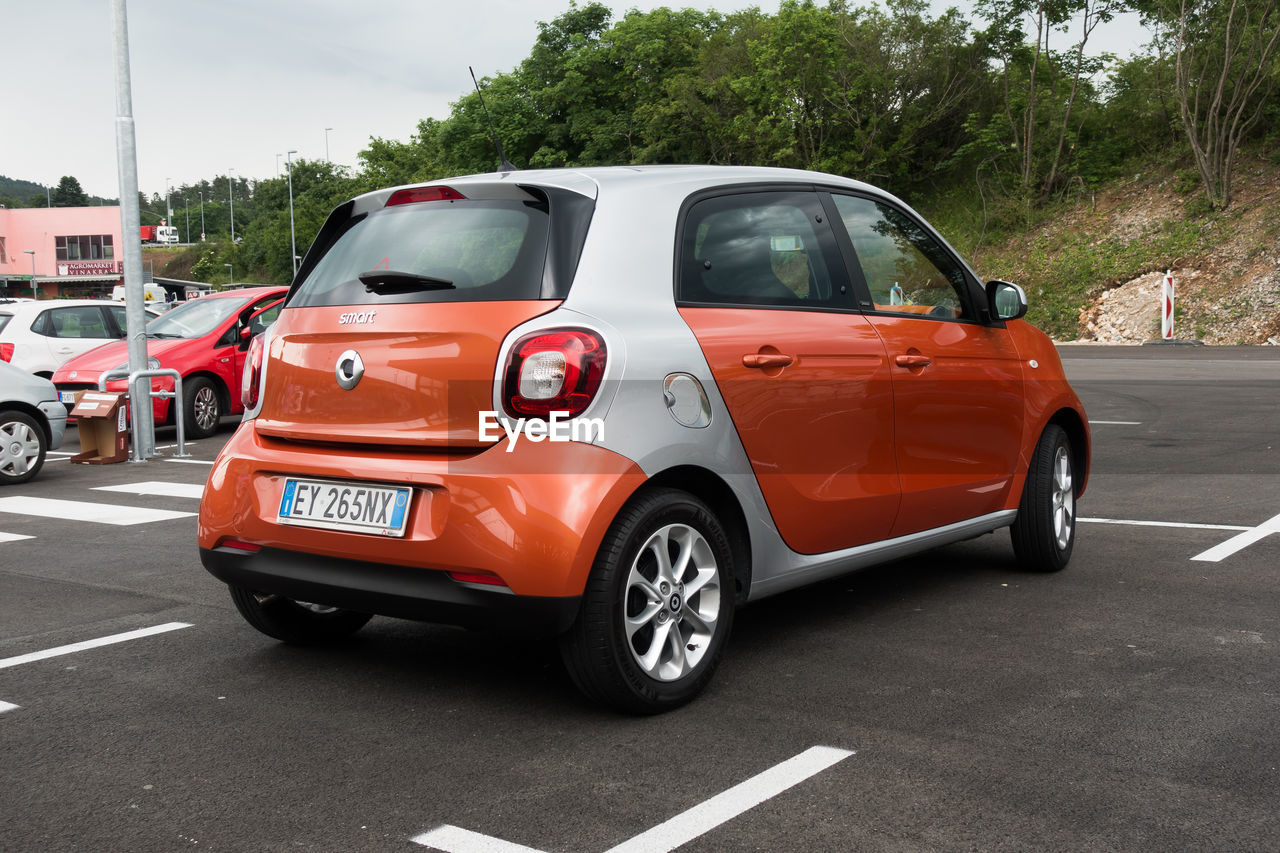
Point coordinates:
[[32, 422]]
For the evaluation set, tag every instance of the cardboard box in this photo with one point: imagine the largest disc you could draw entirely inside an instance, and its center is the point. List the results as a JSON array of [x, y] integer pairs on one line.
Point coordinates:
[[103, 421]]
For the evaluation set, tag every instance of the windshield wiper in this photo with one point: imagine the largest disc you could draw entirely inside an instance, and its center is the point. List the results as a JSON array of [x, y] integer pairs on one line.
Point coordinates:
[[163, 335], [392, 281]]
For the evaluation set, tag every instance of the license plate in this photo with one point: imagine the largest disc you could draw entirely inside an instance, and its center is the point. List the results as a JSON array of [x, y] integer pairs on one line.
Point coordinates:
[[67, 398], [357, 507]]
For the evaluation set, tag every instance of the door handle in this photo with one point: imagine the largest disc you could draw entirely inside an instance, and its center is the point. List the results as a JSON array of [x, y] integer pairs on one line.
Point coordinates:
[[912, 361], [767, 359]]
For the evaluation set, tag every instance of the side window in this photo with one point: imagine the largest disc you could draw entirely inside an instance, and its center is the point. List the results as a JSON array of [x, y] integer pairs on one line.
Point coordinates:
[[120, 315], [43, 325], [260, 321], [906, 270], [79, 322], [758, 249]]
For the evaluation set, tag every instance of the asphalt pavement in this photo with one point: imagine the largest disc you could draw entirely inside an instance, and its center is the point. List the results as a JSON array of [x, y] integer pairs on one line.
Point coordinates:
[[1127, 703]]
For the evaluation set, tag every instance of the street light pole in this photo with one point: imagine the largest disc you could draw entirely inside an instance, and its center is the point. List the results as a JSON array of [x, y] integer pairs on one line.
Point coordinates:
[[326, 144], [201, 215], [187, 199], [231, 201], [32, 253], [168, 208], [293, 245], [231, 273]]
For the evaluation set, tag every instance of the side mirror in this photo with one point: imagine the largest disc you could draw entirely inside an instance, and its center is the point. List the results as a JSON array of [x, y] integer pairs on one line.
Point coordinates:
[[1006, 300]]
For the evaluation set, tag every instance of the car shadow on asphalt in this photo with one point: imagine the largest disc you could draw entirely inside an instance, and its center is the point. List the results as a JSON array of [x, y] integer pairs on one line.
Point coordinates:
[[470, 668]]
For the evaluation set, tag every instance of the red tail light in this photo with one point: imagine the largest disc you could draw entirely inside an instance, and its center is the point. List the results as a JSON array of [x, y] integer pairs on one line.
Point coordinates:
[[553, 371], [417, 194], [6, 352], [251, 378]]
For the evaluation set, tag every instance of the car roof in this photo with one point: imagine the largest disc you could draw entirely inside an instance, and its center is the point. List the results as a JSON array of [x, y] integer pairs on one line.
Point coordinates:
[[593, 180], [243, 291], [42, 304]]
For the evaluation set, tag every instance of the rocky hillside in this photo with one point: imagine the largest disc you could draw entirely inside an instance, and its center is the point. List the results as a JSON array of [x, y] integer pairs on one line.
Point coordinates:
[[1093, 270]]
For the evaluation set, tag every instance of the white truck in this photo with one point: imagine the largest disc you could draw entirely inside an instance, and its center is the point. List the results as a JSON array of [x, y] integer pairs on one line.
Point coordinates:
[[150, 293]]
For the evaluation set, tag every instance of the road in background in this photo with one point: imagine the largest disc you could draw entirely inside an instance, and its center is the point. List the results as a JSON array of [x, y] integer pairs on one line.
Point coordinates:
[[1126, 703]]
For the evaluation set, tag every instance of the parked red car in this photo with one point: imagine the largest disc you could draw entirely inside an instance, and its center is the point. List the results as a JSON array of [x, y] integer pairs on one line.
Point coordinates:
[[204, 339]]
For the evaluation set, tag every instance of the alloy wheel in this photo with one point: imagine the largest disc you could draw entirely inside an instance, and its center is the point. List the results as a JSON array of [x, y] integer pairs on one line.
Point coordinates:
[[672, 602]]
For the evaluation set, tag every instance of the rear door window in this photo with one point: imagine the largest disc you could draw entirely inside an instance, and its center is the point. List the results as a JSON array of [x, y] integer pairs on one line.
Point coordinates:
[[448, 251], [768, 249], [78, 322]]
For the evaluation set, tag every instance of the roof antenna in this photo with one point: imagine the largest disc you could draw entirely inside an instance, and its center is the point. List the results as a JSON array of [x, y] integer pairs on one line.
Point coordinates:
[[505, 164]]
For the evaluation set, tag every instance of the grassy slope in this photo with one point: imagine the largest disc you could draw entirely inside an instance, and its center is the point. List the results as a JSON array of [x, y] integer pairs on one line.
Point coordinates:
[[1073, 250]]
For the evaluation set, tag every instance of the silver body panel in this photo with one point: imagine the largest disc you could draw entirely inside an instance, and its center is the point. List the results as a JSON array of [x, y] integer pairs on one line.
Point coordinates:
[[36, 392]]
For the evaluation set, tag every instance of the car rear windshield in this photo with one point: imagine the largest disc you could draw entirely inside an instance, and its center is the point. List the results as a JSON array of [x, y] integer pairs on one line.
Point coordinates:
[[437, 251]]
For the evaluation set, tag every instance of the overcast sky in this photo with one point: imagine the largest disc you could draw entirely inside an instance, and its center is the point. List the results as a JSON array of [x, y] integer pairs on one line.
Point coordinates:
[[228, 85]]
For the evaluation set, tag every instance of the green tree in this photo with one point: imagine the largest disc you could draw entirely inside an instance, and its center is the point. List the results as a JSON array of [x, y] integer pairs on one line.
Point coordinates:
[[1042, 89], [1225, 71], [68, 193]]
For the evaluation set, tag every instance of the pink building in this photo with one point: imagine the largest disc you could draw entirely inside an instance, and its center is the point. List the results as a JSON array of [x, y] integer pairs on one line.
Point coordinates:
[[74, 251]]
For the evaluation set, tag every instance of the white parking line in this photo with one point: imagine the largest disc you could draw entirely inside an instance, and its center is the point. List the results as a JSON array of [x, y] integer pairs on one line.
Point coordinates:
[[8, 706], [1117, 423], [453, 839], [188, 461], [705, 817], [1189, 526], [1218, 553], [83, 511], [5, 663], [680, 829], [13, 537], [157, 488]]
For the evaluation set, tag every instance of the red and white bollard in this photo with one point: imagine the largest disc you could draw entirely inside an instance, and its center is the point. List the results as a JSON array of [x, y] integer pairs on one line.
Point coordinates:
[[1166, 307]]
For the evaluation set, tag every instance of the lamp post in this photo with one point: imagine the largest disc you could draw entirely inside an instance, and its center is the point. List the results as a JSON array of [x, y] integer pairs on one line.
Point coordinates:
[[293, 245], [32, 253], [201, 215], [232, 203], [168, 208], [231, 274], [326, 144], [187, 199]]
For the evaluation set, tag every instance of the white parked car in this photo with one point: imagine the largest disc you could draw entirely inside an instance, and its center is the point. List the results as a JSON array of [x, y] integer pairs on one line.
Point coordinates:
[[39, 336]]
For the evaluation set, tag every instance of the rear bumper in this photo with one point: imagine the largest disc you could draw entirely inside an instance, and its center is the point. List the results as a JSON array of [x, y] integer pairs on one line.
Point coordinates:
[[388, 590], [533, 518]]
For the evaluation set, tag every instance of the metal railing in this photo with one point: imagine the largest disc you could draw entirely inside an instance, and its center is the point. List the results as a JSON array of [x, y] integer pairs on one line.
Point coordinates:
[[144, 395]]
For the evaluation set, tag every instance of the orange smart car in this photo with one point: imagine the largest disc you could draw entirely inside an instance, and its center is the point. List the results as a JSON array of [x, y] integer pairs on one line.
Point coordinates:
[[617, 404]]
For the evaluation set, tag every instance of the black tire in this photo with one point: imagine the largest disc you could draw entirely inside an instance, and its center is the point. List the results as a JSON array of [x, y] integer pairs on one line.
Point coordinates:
[[202, 407], [22, 447], [1045, 530], [682, 619], [293, 621]]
